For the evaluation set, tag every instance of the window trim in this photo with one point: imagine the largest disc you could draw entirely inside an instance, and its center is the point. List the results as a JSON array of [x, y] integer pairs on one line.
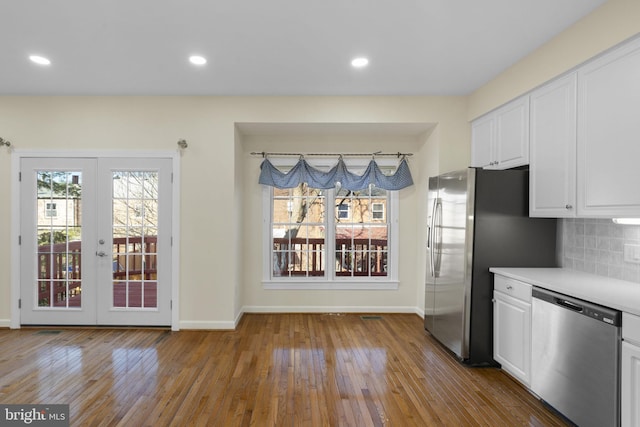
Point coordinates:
[[330, 281]]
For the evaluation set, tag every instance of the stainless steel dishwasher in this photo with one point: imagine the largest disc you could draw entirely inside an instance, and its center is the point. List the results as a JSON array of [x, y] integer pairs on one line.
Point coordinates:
[[575, 365]]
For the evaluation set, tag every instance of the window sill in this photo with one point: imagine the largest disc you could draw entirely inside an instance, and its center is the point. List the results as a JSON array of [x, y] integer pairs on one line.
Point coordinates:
[[346, 285]]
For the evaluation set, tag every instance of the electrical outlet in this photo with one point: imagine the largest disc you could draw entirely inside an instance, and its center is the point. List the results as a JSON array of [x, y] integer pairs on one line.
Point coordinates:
[[632, 253]]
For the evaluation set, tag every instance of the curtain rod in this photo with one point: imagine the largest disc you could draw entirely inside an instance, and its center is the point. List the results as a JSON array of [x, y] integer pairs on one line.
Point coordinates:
[[377, 153]]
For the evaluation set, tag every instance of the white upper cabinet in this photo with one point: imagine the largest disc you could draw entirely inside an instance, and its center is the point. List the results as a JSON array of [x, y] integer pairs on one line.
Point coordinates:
[[482, 142], [608, 140], [512, 134], [553, 149], [500, 140]]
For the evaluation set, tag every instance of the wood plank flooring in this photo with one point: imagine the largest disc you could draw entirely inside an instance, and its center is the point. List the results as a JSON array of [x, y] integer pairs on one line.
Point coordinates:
[[274, 370]]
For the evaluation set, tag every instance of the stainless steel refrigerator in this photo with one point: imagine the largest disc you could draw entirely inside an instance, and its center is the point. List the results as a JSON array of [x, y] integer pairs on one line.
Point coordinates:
[[477, 219]]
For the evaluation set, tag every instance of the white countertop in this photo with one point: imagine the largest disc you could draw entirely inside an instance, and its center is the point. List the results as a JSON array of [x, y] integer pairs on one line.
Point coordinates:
[[614, 293]]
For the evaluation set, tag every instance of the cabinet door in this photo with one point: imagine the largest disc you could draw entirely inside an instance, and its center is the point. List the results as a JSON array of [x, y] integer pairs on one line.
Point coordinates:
[[482, 137], [512, 134], [552, 181], [630, 384], [512, 336], [609, 134]]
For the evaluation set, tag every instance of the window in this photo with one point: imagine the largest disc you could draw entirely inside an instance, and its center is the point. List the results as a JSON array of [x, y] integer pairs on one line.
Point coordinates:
[[343, 211], [51, 210], [330, 239], [377, 210]]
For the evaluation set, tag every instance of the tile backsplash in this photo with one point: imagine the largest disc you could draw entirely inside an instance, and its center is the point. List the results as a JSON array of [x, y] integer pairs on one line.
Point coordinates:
[[596, 246]]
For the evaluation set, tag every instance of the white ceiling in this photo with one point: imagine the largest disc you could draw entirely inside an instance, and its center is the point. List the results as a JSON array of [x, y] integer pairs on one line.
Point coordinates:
[[271, 47]]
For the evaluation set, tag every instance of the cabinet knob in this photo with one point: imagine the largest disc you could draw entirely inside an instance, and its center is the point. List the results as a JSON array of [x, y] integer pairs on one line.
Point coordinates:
[[568, 207]]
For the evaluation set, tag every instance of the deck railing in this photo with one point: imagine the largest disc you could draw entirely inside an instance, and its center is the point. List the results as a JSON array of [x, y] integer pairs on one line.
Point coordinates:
[[60, 267], [354, 257]]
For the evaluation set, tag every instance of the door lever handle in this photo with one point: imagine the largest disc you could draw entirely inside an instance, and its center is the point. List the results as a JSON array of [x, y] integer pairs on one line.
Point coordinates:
[[101, 254]]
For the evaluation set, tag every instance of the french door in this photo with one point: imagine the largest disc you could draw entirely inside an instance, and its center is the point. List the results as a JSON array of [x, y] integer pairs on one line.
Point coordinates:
[[95, 241]]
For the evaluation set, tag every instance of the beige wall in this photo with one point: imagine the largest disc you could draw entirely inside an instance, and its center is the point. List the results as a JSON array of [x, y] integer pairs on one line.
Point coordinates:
[[610, 24], [216, 281]]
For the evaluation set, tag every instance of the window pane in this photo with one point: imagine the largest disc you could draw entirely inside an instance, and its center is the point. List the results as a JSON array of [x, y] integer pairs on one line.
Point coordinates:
[[280, 263], [298, 232], [362, 238]]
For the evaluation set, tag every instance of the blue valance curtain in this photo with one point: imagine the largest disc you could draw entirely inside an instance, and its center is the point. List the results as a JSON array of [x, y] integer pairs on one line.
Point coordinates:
[[302, 172]]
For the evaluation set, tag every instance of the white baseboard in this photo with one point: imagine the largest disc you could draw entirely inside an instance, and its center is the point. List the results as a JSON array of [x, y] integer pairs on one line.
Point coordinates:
[[222, 325], [210, 325], [329, 309]]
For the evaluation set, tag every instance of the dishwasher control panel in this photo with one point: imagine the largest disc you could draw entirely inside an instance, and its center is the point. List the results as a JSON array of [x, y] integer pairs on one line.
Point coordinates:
[[586, 308]]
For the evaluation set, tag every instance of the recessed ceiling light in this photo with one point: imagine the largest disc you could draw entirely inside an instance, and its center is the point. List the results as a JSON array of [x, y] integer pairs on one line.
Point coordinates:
[[197, 60], [40, 60], [359, 62]]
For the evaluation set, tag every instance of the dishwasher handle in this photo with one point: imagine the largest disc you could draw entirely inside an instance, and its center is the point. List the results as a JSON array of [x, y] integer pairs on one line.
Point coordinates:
[[570, 305]]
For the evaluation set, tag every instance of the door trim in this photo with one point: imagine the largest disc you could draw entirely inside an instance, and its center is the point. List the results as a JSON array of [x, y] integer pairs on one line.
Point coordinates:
[[18, 154]]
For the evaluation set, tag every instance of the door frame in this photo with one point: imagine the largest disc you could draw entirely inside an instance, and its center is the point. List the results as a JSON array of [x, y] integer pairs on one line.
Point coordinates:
[[17, 155]]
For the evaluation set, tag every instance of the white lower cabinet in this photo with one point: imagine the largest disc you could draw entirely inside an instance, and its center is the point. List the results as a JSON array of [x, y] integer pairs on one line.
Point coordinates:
[[630, 372], [512, 327]]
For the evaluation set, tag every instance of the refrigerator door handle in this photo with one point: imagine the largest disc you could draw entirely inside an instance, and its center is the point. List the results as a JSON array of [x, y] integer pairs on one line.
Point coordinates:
[[437, 241], [430, 237]]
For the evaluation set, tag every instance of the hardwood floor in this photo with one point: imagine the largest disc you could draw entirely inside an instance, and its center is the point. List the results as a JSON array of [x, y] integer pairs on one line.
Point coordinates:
[[275, 369]]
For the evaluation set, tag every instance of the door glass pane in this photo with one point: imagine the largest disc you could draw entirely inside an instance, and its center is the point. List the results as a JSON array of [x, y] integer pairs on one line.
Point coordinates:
[[135, 235], [59, 230]]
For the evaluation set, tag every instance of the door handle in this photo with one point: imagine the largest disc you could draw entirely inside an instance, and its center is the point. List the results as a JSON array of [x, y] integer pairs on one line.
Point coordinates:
[[101, 254]]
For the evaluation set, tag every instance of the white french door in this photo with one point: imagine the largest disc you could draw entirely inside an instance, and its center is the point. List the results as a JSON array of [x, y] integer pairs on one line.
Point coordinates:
[[95, 241]]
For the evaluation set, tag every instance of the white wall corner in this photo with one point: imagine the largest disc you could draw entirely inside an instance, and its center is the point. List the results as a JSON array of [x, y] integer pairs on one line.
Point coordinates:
[[239, 317]]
